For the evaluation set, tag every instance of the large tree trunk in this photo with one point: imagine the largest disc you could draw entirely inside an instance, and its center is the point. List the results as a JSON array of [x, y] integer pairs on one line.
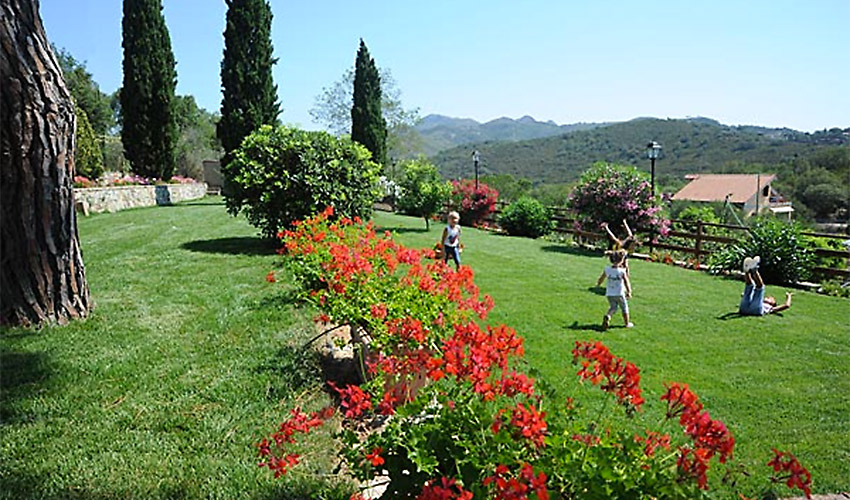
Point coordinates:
[[43, 278]]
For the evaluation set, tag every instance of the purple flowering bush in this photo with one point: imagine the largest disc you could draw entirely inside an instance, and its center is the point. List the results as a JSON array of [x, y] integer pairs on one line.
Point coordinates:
[[612, 193]]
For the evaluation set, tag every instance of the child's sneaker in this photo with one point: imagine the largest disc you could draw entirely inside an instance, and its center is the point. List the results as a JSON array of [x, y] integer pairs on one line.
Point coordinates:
[[630, 325], [749, 262], [605, 321]]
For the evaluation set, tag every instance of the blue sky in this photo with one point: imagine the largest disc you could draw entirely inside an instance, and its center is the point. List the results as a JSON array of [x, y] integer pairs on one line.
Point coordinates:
[[763, 62]]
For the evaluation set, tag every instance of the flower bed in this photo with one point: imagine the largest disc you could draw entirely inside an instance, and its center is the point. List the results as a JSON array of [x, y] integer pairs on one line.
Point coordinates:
[[478, 427]]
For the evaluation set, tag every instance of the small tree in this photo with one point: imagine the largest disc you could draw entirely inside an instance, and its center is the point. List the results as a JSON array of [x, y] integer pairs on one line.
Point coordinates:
[[613, 193], [423, 190], [473, 204], [281, 175], [149, 124], [368, 126], [88, 156]]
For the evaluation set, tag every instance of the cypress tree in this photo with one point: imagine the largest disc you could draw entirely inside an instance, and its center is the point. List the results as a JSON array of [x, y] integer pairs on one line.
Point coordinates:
[[367, 121], [149, 130], [249, 93]]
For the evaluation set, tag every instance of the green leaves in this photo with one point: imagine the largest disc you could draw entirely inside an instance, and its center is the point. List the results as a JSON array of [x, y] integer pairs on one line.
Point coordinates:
[[526, 217], [281, 175]]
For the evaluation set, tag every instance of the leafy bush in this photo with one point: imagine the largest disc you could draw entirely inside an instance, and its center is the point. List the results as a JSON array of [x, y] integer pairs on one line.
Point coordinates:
[[473, 204], [423, 191], [281, 175], [612, 193], [526, 217], [88, 158], [835, 288], [784, 252]]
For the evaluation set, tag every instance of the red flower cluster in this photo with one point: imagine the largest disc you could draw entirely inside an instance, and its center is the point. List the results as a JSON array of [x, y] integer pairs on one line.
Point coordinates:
[[444, 489], [374, 457], [301, 423], [270, 277], [354, 400], [517, 488], [653, 441], [473, 354], [616, 375], [530, 423], [796, 476], [710, 437]]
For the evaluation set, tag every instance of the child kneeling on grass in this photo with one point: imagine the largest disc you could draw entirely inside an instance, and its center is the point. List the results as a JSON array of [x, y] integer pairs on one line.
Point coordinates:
[[618, 289]]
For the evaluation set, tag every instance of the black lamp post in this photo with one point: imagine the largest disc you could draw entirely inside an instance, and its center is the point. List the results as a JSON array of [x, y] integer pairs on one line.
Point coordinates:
[[475, 158], [653, 152]]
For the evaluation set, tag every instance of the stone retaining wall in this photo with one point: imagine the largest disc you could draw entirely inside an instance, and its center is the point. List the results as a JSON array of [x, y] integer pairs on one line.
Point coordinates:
[[115, 198]]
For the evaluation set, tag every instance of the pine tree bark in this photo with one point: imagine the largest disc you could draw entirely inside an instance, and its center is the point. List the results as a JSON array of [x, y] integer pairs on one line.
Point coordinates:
[[42, 277]]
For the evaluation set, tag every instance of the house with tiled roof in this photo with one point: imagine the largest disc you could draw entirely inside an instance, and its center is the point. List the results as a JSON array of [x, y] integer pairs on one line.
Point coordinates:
[[751, 192]]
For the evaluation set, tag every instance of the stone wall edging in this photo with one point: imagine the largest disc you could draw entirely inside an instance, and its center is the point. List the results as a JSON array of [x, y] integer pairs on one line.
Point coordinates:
[[115, 198]]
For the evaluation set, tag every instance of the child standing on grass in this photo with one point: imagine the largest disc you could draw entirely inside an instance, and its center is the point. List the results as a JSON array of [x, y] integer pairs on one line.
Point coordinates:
[[627, 244], [618, 289], [451, 239]]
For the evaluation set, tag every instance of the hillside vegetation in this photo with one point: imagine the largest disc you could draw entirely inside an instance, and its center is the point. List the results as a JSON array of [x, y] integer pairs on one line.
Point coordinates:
[[690, 146]]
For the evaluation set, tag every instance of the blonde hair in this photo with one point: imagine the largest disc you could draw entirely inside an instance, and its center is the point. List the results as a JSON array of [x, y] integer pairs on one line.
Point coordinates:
[[452, 215]]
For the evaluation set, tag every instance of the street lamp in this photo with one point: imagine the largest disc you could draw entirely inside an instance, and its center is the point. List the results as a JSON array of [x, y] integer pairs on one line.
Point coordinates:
[[475, 158], [653, 152]]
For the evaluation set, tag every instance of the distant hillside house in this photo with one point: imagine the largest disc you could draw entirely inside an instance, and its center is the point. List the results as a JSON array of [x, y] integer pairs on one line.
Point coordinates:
[[750, 192]]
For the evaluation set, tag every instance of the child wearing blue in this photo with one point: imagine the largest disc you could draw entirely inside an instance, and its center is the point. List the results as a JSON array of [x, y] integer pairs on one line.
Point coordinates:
[[451, 239], [618, 288], [753, 301]]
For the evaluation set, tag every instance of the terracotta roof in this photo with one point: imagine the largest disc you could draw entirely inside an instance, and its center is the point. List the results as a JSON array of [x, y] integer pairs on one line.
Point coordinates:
[[715, 187]]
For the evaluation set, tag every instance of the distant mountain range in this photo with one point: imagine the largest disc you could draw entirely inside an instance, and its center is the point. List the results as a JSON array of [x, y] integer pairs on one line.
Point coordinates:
[[440, 132], [547, 152]]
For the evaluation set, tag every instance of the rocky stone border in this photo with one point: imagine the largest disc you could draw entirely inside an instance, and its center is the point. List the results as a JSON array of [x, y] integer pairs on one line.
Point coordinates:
[[115, 198]]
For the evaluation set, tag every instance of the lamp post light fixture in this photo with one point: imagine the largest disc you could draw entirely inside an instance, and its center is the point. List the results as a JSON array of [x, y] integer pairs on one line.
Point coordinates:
[[475, 158], [653, 152]]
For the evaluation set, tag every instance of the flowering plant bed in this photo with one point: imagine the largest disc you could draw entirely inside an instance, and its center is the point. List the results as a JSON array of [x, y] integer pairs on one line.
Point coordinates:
[[478, 427]]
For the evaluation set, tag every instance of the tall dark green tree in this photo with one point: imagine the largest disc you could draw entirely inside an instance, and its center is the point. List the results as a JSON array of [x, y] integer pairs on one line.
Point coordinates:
[[367, 121], [149, 130], [250, 95]]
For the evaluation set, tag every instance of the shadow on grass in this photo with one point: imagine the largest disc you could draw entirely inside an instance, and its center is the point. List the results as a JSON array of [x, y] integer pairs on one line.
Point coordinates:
[[598, 290], [22, 374], [401, 230], [245, 245], [593, 327], [582, 252]]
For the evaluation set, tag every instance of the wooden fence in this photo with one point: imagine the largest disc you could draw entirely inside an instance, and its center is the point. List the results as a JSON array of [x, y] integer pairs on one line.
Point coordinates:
[[700, 233]]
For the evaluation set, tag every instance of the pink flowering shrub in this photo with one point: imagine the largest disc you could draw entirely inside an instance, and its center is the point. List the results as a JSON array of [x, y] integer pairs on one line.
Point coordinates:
[[613, 193], [473, 204]]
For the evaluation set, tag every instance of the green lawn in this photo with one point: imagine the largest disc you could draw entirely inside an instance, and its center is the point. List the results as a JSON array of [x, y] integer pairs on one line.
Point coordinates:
[[188, 359], [184, 364], [780, 381]]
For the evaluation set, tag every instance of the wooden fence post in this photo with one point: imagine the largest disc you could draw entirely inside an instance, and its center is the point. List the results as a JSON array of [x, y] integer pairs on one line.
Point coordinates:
[[698, 246]]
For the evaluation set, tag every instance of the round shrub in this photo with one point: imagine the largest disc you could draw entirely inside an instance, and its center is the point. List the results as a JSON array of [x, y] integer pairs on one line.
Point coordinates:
[[784, 252], [526, 217], [281, 175]]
